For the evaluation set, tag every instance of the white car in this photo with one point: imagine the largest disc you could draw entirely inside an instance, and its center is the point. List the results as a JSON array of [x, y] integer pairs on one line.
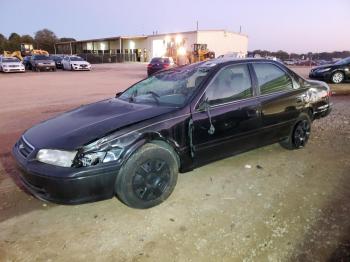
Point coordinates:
[[11, 64], [75, 63]]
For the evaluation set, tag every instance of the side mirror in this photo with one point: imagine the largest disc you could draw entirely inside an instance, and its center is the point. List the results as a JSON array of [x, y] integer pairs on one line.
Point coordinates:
[[118, 94], [204, 105]]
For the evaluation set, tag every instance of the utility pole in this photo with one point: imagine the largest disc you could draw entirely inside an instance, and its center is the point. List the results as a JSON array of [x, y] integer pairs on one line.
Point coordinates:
[[197, 25]]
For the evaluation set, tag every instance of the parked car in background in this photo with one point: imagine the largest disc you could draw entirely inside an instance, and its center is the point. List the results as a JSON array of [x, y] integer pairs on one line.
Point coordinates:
[[289, 62], [42, 62], [58, 60], [159, 63], [134, 145], [26, 63], [11, 64], [335, 73], [306, 63], [75, 63]]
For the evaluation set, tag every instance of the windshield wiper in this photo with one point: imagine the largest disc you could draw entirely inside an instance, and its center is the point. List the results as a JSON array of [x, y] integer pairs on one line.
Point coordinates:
[[154, 95], [133, 95]]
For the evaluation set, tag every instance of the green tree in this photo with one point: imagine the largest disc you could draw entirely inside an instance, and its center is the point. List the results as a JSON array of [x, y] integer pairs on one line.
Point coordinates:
[[3, 41], [27, 39], [45, 40], [13, 42], [67, 39]]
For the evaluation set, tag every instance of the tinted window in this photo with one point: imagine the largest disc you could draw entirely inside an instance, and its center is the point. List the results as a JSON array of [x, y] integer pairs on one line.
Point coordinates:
[[10, 59], [160, 60], [231, 83], [343, 61], [76, 58], [271, 78], [41, 57]]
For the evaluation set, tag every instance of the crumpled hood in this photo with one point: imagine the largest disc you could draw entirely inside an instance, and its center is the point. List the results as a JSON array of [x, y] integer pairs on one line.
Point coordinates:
[[80, 126]]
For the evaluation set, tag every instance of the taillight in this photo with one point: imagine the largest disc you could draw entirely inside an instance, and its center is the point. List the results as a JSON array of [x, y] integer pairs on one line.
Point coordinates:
[[149, 65], [329, 93], [166, 65]]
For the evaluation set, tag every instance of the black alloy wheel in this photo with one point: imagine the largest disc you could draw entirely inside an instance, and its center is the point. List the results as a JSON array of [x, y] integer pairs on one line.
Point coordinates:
[[151, 179], [301, 134], [148, 177]]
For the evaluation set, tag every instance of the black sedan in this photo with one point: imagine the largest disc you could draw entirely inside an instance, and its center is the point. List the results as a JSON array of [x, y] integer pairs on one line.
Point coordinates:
[[335, 73], [158, 64], [58, 61], [134, 145]]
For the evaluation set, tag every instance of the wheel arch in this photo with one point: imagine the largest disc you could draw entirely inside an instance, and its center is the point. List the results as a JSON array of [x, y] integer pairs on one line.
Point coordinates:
[[157, 139]]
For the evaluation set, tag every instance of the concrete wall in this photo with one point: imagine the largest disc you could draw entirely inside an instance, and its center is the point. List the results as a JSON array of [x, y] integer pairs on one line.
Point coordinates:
[[189, 39], [222, 42]]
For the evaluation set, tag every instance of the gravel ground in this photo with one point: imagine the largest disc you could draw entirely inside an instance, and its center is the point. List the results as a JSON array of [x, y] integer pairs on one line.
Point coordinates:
[[288, 206]]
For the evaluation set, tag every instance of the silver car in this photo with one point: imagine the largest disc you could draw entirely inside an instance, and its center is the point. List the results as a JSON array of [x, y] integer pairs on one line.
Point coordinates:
[[11, 64]]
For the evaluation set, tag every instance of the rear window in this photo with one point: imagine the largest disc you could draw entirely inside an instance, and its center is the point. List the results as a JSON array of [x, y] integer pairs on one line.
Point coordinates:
[[160, 60], [41, 57]]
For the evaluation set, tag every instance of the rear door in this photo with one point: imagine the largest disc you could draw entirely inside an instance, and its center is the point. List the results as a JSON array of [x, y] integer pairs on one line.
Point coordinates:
[[231, 121], [281, 100]]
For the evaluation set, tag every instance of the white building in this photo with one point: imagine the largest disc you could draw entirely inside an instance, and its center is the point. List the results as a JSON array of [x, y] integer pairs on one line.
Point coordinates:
[[143, 48]]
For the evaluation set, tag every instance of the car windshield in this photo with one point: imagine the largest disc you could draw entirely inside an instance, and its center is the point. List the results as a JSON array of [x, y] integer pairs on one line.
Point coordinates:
[[343, 61], [169, 88], [10, 59], [76, 58], [41, 57]]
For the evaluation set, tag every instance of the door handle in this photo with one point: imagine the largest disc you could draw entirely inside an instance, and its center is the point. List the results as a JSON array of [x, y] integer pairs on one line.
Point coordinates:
[[253, 112]]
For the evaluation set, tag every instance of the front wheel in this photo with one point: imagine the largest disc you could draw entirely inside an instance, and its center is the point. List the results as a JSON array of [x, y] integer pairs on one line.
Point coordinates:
[[300, 133], [337, 77], [148, 177]]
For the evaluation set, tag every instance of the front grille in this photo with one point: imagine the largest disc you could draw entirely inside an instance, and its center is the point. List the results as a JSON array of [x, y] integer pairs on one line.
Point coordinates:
[[83, 66], [13, 65], [24, 147]]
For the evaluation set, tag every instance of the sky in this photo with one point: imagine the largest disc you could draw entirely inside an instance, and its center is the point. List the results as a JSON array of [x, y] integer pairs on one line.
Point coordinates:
[[290, 25]]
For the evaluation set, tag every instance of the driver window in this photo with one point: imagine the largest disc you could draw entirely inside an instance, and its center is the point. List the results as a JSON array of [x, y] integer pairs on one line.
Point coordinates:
[[230, 84]]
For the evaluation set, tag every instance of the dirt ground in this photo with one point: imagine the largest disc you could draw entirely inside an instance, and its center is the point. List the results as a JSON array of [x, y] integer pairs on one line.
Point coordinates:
[[289, 206]]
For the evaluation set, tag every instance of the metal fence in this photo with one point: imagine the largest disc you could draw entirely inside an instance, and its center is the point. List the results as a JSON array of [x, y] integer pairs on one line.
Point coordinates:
[[108, 58]]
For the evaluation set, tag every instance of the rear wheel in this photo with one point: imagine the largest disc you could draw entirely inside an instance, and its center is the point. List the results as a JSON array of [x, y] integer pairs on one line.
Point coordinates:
[[300, 134], [337, 77], [148, 177]]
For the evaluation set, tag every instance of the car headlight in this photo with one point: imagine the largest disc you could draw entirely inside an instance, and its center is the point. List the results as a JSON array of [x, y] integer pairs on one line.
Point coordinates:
[[56, 157], [4, 66], [105, 150], [323, 70]]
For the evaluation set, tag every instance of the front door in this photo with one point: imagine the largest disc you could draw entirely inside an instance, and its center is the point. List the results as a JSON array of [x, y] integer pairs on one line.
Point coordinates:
[[229, 120]]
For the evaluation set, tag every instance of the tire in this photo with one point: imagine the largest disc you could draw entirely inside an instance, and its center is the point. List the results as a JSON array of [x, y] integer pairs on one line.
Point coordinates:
[[300, 133], [337, 77], [148, 177], [71, 68]]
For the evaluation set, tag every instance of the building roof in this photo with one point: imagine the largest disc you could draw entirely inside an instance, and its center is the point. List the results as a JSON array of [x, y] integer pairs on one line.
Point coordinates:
[[146, 36]]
